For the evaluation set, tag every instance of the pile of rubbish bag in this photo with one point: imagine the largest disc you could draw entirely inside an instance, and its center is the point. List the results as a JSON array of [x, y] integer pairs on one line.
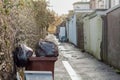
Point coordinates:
[[21, 55], [43, 49], [46, 49]]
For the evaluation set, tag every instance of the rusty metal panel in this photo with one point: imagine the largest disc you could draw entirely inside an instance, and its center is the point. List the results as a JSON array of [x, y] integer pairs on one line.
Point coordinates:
[[80, 35], [104, 39], [113, 18]]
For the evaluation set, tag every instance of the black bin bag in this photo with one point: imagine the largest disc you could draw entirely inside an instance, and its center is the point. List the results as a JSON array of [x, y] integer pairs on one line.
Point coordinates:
[[21, 55], [46, 49]]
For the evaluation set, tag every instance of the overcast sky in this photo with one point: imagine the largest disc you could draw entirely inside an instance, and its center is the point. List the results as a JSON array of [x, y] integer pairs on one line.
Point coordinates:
[[62, 6]]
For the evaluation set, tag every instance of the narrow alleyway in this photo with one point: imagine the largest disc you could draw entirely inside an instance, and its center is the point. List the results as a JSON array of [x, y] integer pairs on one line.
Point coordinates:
[[83, 65]]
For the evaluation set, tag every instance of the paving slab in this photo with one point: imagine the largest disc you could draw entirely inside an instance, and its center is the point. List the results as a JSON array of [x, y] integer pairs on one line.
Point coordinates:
[[84, 65]]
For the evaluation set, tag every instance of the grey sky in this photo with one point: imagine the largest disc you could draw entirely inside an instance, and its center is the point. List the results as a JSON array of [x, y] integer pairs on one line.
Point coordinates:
[[62, 6]]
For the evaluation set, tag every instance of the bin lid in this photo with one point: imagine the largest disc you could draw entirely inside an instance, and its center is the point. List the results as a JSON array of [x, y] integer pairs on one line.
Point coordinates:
[[43, 58], [38, 75]]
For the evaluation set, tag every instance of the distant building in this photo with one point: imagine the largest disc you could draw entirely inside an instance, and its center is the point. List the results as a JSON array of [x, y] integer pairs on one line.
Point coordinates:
[[97, 4], [81, 6], [103, 4], [73, 23], [114, 3]]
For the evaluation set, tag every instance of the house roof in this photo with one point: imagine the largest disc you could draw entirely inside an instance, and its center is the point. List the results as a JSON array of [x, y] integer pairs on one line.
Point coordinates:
[[81, 3]]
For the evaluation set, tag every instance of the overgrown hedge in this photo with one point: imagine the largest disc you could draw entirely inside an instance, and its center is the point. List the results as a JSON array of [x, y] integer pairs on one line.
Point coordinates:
[[21, 21]]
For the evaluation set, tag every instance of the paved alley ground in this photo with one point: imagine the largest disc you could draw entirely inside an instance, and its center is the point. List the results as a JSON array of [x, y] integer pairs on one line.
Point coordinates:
[[72, 64]]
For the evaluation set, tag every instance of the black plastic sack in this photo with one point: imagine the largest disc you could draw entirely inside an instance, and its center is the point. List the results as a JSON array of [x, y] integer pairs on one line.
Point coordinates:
[[21, 55], [46, 49]]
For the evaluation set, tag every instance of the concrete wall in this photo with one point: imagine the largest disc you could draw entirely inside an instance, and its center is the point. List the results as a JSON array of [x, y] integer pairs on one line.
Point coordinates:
[[93, 34], [113, 37], [96, 36], [102, 36], [72, 30], [86, 28]]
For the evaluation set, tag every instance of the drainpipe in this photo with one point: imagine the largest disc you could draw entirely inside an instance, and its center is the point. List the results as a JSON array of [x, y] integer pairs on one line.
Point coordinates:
[[109, 3]]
